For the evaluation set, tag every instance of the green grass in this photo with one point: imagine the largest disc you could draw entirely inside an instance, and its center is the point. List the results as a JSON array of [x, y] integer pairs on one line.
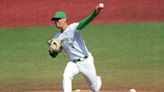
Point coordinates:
[[126, 55]]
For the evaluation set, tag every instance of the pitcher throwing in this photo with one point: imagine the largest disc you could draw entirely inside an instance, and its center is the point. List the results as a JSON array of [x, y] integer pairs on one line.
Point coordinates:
[[70, 41]]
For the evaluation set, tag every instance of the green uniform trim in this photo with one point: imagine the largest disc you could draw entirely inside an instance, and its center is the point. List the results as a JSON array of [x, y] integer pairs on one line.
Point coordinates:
[[84, 22], [53, 54]]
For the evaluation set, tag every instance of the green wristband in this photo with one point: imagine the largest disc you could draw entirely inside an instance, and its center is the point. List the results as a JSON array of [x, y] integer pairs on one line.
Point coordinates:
[[53, 54]]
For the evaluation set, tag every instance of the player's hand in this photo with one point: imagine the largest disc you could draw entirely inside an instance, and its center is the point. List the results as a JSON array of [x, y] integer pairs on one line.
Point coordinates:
[[99, 7], [55, 45]]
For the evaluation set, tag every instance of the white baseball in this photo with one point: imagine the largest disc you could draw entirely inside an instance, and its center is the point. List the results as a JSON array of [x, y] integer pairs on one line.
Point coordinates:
[[101, 5], [132, 90]]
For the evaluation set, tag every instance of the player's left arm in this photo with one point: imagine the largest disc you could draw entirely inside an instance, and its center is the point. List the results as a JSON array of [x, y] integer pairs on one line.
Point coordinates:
[[54, 47], [88, 19]]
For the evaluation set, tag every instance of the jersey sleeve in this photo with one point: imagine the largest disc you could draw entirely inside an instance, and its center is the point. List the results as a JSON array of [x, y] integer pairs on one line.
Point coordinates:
[[57, 35], [86, 21]]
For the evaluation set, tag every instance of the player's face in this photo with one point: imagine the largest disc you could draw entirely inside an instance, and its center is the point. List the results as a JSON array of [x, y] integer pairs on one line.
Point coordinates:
[[57, 23], [60, 22]]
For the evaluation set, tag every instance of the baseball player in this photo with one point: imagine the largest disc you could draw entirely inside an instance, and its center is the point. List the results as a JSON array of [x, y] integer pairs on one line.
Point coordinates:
[[70, 41]]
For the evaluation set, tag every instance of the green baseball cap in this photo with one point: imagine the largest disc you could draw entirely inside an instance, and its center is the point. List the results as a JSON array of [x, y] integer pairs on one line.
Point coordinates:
[[59, 15]]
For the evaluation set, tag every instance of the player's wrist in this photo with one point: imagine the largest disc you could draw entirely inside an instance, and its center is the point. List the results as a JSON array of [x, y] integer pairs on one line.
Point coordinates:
[[99, 7], [54, 50]]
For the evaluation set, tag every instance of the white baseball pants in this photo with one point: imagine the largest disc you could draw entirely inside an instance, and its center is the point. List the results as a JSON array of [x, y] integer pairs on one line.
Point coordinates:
[[87, 68]]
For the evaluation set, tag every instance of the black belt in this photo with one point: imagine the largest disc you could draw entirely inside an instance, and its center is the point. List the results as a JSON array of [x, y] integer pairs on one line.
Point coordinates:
[[80, 59]]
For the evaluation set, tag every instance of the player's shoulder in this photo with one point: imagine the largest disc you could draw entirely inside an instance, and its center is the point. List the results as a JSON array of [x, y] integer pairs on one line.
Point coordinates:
[[74, 24]]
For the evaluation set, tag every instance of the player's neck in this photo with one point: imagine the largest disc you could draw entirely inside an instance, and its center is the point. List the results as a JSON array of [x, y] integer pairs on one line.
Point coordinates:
[[64, 27]]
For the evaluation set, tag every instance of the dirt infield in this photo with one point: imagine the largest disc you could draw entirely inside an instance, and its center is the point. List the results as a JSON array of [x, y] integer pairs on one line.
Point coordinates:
[[36, 13], [72, 91], [91, 91], [86, 90]]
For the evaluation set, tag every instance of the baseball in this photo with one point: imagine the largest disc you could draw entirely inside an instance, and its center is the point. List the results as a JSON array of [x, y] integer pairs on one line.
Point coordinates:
[[132, 90], [101, 5]]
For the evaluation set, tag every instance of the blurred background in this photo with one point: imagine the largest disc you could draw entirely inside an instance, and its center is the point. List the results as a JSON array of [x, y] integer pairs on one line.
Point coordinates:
[[34, 13]]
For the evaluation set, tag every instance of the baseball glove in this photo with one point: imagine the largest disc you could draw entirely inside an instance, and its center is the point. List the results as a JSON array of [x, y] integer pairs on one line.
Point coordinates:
[[54, 44]]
